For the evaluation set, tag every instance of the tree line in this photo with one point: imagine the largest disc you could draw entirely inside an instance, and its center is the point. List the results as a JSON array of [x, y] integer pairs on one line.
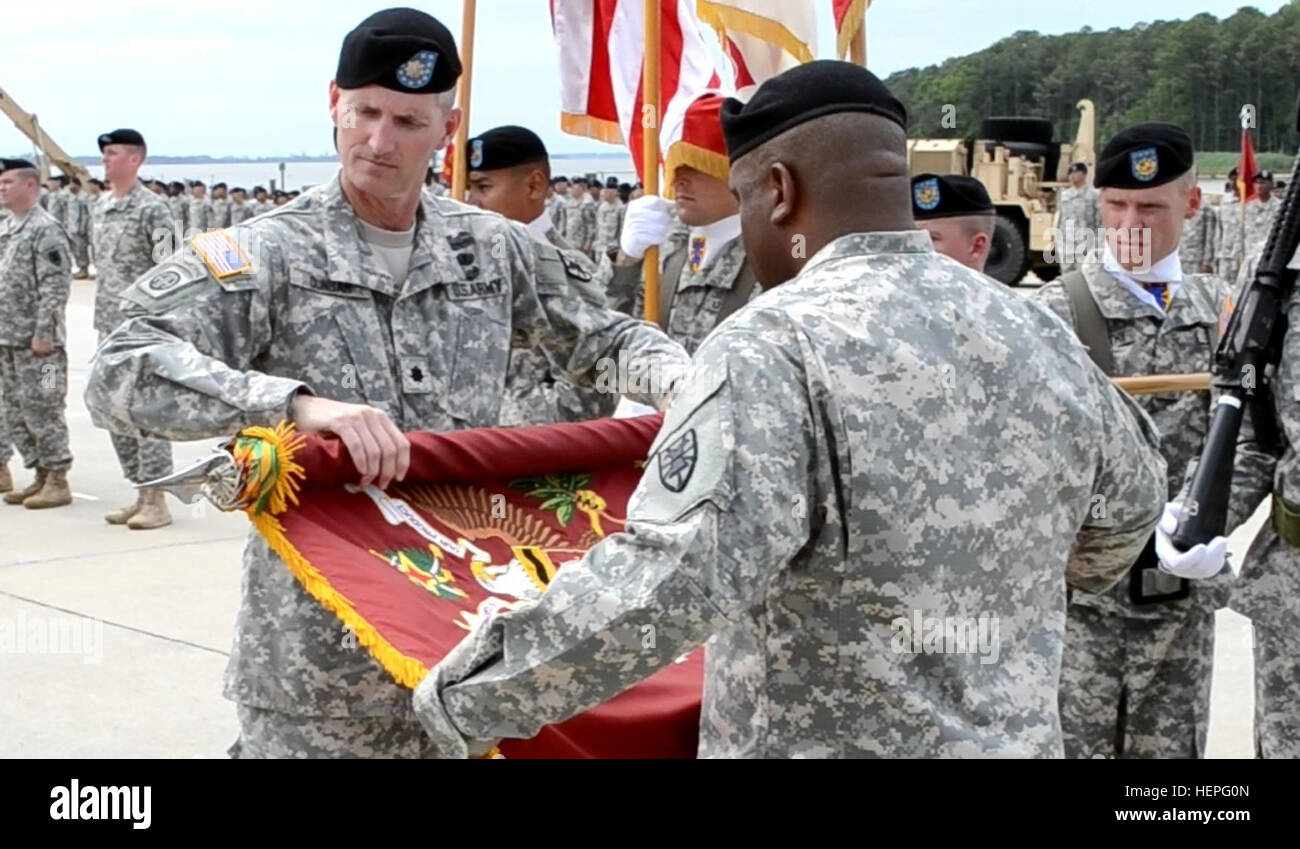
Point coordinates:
[[1197, 73]]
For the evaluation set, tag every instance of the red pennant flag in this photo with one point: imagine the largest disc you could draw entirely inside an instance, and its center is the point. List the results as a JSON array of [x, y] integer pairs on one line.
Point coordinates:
[[480, 525], [1246, 169]]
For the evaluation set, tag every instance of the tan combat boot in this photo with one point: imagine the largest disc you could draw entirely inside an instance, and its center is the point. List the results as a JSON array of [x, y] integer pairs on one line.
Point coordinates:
[[19, 495], [54, 492], [6, 479], [153, 512], [122, 514]]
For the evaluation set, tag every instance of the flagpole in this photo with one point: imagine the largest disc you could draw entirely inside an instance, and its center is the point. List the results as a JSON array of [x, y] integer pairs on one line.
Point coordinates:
[[458, 176], [650, 147], [858, 46]]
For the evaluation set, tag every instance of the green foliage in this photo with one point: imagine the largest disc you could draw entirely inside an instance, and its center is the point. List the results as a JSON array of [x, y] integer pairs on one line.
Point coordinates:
[[1197, 73]]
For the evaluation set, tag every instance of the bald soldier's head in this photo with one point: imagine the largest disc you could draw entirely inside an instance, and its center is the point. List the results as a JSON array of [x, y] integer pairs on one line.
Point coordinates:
[[819, 152]]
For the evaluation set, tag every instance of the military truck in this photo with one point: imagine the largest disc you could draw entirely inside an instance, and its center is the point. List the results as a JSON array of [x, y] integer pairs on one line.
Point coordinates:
[[1023, 169]]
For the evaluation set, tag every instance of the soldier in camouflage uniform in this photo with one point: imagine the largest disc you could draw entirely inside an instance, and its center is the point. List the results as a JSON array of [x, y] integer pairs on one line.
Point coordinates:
[[127, 225], [1196, 249], [1135, 678], [1269, 583], [218, 208], [178, 203], [509, 171], [198, 209], [558, 204], [57, 203], [240, 209], [704, 275], [76, 223], [35, 269], [1260, 213], [608, 218], [356, 338], [836, 468], [1228, 246], [579, 225], [1079, 214]]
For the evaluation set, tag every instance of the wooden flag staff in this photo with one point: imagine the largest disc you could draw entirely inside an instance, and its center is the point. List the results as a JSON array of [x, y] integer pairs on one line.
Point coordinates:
[[459, 176], [650, 147], [1151, 384]]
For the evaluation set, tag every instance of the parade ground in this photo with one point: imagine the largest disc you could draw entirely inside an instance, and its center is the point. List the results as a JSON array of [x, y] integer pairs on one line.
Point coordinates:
[[120, 637]]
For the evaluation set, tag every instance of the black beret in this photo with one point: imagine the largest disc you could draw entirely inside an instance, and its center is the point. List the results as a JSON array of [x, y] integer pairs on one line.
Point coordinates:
[[504, 147], [13, 164], [239, 189], [218, 185], [121, 137], [403, 49], [611, 182], [948, 196], [1264, 175], [257, 189], [177, 184], [1144, 156], [194, 183], [580, 181], [812, 90], [1078, 166]]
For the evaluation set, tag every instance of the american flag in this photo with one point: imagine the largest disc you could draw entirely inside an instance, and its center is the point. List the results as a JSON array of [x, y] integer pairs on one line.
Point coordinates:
[[220, 252]]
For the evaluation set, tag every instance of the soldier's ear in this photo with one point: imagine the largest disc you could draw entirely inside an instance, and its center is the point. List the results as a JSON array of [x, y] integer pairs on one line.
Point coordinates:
[[784, 194], [1193, 203]]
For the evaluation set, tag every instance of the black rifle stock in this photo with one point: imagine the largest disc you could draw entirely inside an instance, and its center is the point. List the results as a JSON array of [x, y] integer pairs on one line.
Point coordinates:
[[1252, 343]]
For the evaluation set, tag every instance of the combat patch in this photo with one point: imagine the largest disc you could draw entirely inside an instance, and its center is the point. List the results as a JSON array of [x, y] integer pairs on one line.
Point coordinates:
[[677, 461]]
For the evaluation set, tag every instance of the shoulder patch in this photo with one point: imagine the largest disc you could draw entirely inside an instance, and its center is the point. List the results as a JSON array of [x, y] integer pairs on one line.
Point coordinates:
[[171, 276], [220, 253], [574, 267], [677, 461]]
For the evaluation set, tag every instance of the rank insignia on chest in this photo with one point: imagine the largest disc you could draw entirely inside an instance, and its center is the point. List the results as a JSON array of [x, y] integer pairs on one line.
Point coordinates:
[[416, 379], [697, 252], [220, 253], [677, 462], [1144, 164]]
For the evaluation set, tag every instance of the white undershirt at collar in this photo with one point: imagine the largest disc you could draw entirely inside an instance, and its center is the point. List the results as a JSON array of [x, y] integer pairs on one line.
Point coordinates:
[[542, 224], [717, 236], [1168, 270]]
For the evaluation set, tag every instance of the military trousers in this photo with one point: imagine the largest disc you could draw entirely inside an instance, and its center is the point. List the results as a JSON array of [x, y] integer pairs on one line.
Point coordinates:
[[35, 391], [270, 734], [142, 460], [6, 440], [81, 251], [1135, 688], [1277, 692]]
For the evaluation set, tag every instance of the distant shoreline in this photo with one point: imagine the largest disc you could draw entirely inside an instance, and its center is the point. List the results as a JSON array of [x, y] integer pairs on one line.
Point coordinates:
[[155, 159]]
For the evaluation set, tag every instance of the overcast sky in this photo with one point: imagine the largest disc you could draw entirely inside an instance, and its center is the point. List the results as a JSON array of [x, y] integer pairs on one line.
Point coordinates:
[[248, 77]]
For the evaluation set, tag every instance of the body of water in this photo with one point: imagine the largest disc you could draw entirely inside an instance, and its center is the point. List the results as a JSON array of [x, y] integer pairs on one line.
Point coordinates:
[[302, 175]]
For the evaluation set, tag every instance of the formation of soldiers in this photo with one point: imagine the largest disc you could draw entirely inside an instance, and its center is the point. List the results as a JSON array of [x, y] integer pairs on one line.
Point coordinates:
[[861, 428]]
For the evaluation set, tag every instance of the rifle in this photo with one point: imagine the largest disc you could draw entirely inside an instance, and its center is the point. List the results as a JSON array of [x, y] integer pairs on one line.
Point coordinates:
[[1243, 364]]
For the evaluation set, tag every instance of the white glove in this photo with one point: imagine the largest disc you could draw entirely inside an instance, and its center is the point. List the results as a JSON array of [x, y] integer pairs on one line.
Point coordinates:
[[645, 225], [1203, 561]]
